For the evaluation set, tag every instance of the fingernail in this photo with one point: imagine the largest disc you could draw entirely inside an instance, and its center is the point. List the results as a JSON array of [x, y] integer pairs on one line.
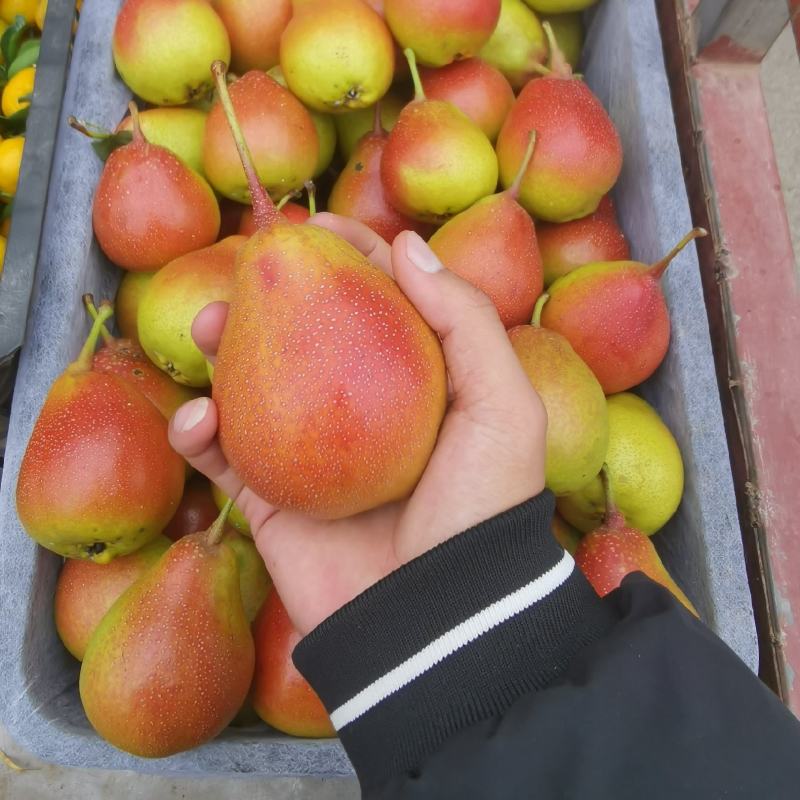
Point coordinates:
[[190, 414], [420, 255]]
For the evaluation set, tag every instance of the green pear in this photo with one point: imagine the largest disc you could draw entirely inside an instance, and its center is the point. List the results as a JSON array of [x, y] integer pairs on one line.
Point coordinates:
[[568, 30], [646, 463], [577, 416]]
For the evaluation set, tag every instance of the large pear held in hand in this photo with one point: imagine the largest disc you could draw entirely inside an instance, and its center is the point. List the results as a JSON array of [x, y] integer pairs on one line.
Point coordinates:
[[437, 161], [614, 314], [577, 414], [172, 661], [493, 246], [330, 387], [98, 478]]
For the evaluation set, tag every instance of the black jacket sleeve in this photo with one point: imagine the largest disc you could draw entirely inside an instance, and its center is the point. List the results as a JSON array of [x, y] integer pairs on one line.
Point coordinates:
[[489, 668]]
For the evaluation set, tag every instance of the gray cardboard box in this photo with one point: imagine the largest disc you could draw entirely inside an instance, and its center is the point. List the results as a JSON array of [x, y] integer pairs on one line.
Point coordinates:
[[623, 64]]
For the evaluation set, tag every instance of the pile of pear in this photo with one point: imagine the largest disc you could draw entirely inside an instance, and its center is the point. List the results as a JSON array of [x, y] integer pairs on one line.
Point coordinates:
[[465, 125]]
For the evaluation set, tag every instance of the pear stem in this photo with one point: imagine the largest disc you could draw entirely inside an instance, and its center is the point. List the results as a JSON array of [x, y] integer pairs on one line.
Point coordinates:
[[377, 122], [541, 69], [613, 517], [536, 320], [311, 188], [83, 363], [513, 190], [558, 64], [419, 92], [138, 136], [218, 526], [285, 199], [88, 302], [657, 269], [264, 211]]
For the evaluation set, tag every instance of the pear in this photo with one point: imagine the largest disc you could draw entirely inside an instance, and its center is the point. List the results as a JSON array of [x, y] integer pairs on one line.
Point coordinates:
[[324, 350], [196, 511], [478, 89], [577, 415], [567, 536], [518, 45], [437, 161], [173, 299], [440, 31], [179, 130], [569, 33], [559, 6], [98, 478], [578, 152], [150, 207], [254, 580], [326, 129], [281, 696], [646, 463], [612, 551], [162, 48], [254, 28], [172, 661], [358, 191], [126, 305], [565, 246], [615, 316], [85, 591], [128, 361], [285, 142], [351, 127], [493, 246], [235, 518], [337, 55]]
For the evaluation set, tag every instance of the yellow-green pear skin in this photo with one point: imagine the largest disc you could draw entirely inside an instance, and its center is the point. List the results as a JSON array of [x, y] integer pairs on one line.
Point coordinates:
[[171, 301], [172, 661], [577, 416], [569, 33], [559, 6], [337, 55], [318, 346], [646, 463], [254, 579], [352, 126], [163, 49]]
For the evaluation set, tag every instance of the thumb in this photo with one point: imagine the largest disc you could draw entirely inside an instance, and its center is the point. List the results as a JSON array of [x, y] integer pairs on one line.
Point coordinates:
[[480, 360]]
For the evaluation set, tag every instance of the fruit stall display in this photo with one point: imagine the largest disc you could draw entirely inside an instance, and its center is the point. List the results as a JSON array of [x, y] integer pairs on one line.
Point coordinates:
[[469, 128]]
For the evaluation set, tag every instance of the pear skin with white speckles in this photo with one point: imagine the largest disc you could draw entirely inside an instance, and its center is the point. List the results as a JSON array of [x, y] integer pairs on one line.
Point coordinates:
[[330, 387], [172, 661]]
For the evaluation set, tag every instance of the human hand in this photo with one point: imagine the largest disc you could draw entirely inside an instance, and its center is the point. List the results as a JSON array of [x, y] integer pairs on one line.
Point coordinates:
[[489, 455]]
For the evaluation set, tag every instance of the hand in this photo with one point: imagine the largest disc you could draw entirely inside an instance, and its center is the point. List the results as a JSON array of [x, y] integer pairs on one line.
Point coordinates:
[[489, 455]]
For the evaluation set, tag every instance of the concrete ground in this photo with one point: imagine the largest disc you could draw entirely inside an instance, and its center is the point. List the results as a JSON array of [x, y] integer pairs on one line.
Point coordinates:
[[39, 781]]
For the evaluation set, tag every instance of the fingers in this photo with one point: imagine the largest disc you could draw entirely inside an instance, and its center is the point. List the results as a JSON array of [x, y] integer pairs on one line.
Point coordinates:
[[207, 328], [193, 434], [480, 361], [359, 235]]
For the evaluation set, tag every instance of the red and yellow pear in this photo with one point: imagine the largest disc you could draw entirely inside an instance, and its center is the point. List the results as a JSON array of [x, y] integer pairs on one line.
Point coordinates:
[[442, 31], [309, 331], [609, 553], [281, 696], [565, 246], [493, 246], [98, 478], [614, 315], [480, 90], [150, 207], [254, 28], [437, 161], [196, 511], [359, 193], [578, 153], [285, 141], [85, 591]]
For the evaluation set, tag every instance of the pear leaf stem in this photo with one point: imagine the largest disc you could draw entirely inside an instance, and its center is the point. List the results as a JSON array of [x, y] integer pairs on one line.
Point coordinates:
[[536, 319], [83, 363], [218, 526], [88, 128], [657, 269], [264, 211], [558, 63], [311, 188], [419, 92], [88, 302], [513, 190], [138, 136]]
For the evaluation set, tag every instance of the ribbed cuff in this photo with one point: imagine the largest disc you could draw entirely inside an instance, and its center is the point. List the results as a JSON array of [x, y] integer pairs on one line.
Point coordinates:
[[450, 639]]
